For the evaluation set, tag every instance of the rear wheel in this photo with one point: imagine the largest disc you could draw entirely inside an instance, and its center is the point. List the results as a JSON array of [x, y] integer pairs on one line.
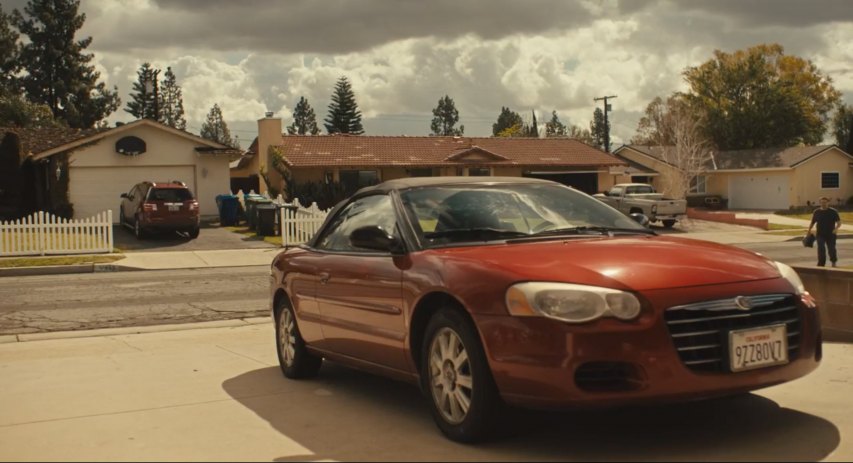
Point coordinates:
[[193, 233], [137, 229], [120, 217], [454, 372], [293, 357], [668, 223]]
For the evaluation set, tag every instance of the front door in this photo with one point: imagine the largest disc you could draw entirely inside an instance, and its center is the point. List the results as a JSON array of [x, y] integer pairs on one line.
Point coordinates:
[[359, 292]]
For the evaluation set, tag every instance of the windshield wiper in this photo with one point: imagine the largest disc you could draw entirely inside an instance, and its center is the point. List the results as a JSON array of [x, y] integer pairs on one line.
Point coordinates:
[[481, 233], [595, 230]]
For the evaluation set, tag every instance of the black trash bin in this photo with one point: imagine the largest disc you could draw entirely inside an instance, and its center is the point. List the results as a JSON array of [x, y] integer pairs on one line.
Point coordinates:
[[252, 201], [229, 209], [265, 218]]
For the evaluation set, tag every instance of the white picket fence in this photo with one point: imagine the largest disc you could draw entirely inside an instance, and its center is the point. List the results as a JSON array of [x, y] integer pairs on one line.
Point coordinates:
[[299, 224], [43, 233]]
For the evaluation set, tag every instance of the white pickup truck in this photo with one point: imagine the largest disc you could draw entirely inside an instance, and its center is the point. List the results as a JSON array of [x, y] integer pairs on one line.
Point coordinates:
[[640, 197]]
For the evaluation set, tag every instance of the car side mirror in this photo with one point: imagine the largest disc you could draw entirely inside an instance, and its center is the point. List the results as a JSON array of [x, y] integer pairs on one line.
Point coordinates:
[[375, 238], [641, 219], [124, 195]]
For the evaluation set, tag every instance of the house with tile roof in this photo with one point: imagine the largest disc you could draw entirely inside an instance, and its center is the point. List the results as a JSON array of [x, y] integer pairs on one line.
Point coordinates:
[[357, 161], [768, 179], [61, 170]]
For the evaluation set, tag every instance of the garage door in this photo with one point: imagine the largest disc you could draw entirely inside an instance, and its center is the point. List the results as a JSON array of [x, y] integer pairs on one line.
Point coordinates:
[[759, 192], [96, 189]]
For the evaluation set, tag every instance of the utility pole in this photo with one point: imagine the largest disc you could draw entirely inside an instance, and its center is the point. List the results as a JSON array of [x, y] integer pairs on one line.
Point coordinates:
[[606, 125]]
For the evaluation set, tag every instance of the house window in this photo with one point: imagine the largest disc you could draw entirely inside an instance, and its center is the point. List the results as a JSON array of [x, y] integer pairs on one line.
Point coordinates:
[[420, 172], [355, 179], [830, 180], [479, 171], [698, 184]]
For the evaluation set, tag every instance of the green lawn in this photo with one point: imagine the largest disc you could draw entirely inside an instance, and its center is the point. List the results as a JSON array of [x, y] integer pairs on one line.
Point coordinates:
[[8, 262], [779, 226]]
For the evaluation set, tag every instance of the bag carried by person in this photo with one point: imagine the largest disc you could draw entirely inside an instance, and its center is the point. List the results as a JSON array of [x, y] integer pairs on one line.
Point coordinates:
[[808, 240]]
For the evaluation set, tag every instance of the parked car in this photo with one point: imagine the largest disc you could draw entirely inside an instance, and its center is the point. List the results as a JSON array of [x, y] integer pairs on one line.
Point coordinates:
[[521, 291], [632, 198], [159, 206]]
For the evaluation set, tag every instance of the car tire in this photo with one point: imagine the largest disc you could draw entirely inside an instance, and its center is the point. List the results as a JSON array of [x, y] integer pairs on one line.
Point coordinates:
[[455, 375], [138, 231], [293, 356], [193, 233], [668, 223], [120, 218]]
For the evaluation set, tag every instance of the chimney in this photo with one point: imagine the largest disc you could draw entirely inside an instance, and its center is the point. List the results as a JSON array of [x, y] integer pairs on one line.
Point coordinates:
[[269, 134]]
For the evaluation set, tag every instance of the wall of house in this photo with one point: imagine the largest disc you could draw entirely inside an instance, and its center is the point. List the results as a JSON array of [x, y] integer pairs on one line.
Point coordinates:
[[163, 150], [806, 183], [392, 173], [668, 175]]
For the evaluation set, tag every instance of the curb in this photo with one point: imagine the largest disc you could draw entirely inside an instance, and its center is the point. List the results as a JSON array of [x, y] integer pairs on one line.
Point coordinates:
[[100, 332], [62, 269]]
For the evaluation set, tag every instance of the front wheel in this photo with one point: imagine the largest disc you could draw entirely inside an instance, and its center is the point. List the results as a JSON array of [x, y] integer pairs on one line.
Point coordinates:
[[668, 223], [293, 357], [455, 374]]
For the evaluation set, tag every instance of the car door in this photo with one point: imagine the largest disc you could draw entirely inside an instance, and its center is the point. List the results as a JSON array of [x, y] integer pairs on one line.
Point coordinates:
[[359, 291]]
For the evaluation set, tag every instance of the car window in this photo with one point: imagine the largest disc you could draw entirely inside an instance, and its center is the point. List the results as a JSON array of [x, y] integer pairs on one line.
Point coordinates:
[[639, 189], [616, 191], [170, 194], [504, 211], [371, 210]]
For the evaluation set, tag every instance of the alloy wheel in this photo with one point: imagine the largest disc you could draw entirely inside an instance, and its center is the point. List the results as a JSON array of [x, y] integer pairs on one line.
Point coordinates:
[[451, 382], [287, 337]]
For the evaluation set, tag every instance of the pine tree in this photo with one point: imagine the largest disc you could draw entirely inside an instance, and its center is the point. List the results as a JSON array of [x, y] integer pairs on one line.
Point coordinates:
[[598, 129], [446, 117], [172, 102], [9, 55], [215, 128], [304, 120], [344, 116], [145, 99], [58, 73], [507, 120], [555, 128]]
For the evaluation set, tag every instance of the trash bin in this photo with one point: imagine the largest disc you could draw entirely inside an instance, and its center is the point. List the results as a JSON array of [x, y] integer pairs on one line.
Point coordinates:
[[252, 202], [229, 209], [265, 215]]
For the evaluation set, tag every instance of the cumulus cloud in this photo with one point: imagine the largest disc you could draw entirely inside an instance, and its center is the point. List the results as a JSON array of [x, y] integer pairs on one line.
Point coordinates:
[[401, 56]]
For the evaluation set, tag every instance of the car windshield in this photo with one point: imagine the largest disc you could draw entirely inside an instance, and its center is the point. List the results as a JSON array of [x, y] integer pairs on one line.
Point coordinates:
[[445, 215], [170, 194]]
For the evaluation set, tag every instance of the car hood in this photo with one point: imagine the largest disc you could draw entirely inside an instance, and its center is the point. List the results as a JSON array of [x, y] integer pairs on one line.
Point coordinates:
[[632, 263]]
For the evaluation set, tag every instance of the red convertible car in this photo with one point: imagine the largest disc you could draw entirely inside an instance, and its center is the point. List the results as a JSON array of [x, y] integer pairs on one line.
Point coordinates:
[[496, 290]]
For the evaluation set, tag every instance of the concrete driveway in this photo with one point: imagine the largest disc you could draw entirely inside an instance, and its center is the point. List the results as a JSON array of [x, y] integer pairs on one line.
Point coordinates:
[[211, 237], [217, 394]]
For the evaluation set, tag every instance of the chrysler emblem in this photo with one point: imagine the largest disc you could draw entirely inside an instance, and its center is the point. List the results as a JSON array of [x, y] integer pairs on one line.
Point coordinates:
[[743, 303]]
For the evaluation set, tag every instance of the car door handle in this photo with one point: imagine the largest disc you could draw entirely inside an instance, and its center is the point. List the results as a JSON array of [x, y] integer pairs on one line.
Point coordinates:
[[324, 278]]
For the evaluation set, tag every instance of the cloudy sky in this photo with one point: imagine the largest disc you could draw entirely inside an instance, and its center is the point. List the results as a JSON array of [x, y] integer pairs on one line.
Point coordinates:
[[401, 56]]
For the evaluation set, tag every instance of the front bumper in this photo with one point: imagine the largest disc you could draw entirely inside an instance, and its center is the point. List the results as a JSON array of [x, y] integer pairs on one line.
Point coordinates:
[[544, 363]]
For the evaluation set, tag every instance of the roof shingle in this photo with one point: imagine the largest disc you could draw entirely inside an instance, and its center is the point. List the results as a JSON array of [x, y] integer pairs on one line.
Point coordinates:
[[326, 151]]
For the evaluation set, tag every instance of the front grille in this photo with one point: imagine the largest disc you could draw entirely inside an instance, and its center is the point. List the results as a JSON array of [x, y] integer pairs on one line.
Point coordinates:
[[700, 331]]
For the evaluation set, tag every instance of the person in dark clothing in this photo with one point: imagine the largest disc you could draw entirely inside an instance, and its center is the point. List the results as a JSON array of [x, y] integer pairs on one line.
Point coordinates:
[[828, 222]]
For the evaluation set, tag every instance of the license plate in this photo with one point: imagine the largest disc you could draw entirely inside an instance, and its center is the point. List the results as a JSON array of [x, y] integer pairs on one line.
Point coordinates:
[[758, 347], [174, 208]]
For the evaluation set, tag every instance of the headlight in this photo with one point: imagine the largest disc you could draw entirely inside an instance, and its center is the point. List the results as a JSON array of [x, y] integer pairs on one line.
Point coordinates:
[[570, 303], [791, 275]]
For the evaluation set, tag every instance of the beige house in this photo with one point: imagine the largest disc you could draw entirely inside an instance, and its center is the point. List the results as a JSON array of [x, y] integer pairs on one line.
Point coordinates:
[[94, 167], [771, 179], [357, 161]]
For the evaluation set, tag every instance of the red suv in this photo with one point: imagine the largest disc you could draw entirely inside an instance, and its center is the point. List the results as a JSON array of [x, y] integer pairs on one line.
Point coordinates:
[[163, 206]]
